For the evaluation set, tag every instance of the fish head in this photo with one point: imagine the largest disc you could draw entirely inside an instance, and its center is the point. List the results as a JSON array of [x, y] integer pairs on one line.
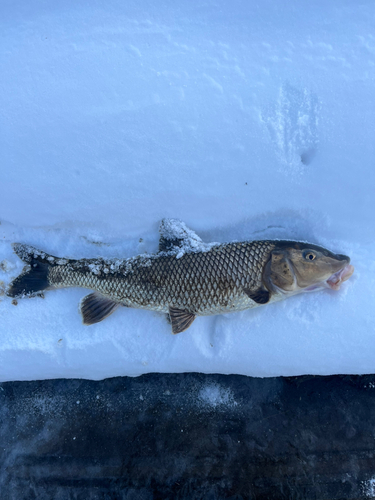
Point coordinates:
[[295, 267]]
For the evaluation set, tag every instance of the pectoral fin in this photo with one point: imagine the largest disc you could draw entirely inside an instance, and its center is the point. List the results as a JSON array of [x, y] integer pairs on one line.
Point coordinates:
[[259, 296], [180, 319], [95, 308]]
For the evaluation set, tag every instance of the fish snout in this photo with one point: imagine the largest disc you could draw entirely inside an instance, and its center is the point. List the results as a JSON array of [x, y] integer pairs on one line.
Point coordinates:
[[341, 257]]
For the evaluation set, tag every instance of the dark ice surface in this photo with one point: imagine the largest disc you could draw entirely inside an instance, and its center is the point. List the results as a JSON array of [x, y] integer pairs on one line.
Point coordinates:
[[188, 436]]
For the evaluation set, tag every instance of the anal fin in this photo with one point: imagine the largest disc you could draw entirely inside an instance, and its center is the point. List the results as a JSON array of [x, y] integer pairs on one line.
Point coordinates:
[[259, 296], [95, 307], [180, 319]]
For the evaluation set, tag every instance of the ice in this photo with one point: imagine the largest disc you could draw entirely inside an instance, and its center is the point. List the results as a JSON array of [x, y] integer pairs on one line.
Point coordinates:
[[237, 122]]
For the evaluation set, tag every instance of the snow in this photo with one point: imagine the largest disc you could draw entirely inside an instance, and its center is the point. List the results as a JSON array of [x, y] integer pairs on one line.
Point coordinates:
[[245, 120], [213, 396], [368, 488]]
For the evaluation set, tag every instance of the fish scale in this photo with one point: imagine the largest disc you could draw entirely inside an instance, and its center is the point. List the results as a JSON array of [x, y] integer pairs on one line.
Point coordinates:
[[204, 283]]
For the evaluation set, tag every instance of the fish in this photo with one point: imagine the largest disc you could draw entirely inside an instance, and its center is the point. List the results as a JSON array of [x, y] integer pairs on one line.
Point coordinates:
[[187, 277]]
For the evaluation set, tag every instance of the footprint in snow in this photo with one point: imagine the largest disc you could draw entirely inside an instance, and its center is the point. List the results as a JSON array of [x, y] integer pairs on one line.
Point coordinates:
[[293, 127]]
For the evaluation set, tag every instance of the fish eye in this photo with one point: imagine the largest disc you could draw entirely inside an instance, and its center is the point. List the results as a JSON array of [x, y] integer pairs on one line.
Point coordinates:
[[309, 256]]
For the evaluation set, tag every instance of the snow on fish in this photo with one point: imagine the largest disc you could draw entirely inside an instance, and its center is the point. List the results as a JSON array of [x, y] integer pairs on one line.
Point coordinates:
[[187, 277]]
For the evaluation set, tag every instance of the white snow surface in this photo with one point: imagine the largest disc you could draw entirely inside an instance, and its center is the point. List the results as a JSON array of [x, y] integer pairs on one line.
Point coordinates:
[[246, 120]]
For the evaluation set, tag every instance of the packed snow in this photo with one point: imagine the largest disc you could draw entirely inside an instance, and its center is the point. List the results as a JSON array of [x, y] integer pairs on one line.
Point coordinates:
[[246, 120]]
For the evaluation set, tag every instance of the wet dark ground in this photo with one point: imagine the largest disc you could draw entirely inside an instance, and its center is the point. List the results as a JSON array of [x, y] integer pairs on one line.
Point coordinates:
[[188, 436]]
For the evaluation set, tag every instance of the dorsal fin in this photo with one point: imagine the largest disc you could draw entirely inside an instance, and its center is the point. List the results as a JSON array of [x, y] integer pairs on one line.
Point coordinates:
[[175, 235], [166, 245]]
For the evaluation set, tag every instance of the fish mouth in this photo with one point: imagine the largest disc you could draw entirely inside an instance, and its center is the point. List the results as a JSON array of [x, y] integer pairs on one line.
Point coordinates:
[[334, 281]]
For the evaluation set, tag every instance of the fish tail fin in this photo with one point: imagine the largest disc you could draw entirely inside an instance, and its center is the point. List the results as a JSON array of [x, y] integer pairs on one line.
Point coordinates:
[[34, 277]]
